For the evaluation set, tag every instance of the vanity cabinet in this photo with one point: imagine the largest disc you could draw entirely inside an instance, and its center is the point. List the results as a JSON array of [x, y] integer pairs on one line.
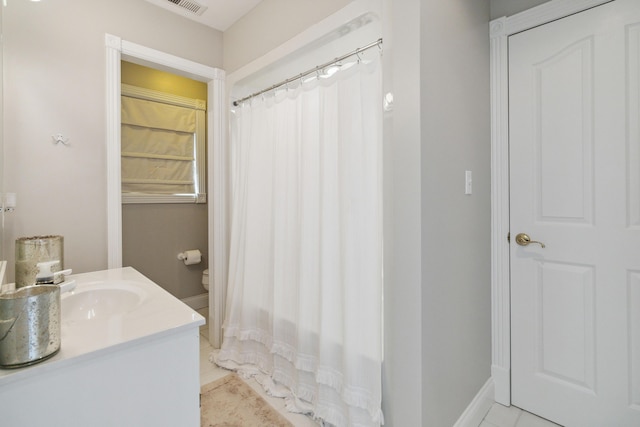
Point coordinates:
[[137, 367]]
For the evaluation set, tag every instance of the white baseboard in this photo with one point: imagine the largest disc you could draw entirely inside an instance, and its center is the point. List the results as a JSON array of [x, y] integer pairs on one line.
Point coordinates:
[[478, 408], [501, 384], [197, 302]]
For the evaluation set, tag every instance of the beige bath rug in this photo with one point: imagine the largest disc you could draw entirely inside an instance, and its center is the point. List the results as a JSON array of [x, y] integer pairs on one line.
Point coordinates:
[[230, 402]]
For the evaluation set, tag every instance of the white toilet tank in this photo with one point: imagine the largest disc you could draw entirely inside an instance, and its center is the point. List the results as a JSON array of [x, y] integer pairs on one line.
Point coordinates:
[[205, 279]]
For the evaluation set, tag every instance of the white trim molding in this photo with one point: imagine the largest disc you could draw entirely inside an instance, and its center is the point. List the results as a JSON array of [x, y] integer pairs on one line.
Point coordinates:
[[499, 31], [548, 12], [217, 184], [478, 408], [117, 50], [500, 289], [114, 196]]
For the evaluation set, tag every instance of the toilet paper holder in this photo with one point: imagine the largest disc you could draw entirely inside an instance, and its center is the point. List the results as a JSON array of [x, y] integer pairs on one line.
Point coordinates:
[[190, 257]]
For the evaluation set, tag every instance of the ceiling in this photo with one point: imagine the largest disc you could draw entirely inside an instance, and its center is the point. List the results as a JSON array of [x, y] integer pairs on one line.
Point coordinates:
[[219, 14]]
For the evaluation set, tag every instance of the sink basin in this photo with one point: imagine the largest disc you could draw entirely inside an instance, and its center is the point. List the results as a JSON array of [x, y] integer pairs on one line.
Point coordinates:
[[101, 301]]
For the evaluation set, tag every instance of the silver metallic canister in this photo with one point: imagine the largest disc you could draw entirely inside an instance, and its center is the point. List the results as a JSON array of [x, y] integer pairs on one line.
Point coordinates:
[[29, 325], [31, 251]]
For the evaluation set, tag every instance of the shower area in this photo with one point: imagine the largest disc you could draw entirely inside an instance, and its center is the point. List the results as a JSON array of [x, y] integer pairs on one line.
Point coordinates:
[[303, 301]]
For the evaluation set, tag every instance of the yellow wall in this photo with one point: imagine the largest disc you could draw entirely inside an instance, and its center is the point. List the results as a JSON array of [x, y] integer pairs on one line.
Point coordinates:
[[149, 78]]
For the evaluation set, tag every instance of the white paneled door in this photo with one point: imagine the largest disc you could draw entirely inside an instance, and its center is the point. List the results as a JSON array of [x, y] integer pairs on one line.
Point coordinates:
[[574, 129]]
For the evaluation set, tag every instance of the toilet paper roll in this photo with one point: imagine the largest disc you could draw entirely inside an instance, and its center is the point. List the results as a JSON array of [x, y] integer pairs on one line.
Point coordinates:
[[191, 257]]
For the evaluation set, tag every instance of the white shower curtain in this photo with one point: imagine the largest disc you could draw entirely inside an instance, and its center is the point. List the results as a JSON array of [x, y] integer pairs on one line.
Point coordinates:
[[304, 307]]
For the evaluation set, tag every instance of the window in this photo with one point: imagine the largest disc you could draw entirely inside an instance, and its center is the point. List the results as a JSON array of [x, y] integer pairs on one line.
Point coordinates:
[[162, 147]]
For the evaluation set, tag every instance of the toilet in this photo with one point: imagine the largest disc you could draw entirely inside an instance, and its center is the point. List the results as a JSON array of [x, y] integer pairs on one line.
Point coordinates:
[[205, 279]]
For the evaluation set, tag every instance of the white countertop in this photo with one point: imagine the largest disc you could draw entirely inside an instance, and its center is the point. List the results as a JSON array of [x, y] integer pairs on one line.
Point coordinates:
[[155, 315]]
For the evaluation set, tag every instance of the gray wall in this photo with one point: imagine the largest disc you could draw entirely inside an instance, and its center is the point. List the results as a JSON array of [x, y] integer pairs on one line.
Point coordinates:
[[455, 119], [501, 8], [153, 235], [269, 25], [55, 83], [402, 398]]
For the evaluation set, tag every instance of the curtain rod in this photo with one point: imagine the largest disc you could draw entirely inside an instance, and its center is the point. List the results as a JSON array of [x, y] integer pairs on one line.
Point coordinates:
[[311, 71]]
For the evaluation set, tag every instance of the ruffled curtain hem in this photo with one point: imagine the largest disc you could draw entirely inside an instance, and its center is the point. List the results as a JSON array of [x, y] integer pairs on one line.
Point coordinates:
[[249, 366]]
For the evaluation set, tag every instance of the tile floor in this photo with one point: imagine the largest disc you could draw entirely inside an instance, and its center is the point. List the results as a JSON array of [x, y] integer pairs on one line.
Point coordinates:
[[498, 415], [502, 416]]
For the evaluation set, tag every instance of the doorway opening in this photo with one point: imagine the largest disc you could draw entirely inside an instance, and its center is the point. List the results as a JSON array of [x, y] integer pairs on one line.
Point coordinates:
[[118, 50]]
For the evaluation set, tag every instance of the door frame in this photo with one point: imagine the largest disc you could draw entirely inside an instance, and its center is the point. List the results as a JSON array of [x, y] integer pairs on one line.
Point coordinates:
[[118, 49], [499, 31]]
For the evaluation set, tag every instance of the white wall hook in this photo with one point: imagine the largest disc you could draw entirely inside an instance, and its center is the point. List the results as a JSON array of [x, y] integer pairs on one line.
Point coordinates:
[[58, 138], [9, 202], [388, 102]]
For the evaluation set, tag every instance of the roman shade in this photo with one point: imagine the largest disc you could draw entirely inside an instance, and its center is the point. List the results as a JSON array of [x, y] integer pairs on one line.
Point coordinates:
[[159, 146]]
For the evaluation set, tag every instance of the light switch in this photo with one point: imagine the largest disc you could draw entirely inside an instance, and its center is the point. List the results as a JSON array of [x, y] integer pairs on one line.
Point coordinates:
[[468, 182]]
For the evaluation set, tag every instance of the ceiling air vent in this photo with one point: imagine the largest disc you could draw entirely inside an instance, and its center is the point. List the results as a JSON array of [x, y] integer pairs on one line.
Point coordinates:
[[189, 5]]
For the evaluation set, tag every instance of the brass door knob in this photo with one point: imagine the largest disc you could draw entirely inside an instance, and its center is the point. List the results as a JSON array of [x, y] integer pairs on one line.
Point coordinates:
[[523, 240]]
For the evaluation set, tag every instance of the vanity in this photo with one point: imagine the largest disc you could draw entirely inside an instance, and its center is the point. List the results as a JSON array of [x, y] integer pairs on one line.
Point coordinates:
[[129, 356]]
